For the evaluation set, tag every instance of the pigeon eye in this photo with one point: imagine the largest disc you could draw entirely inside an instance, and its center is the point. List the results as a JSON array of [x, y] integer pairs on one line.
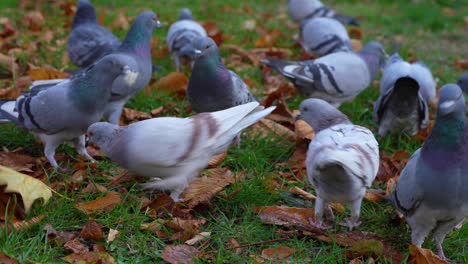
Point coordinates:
[[305, 109], [207, 46], [90, 134]]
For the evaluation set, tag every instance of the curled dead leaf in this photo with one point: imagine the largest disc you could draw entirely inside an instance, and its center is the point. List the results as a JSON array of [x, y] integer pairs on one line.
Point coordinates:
[[103, 204], [303, 130], [213, 32], [423, 256], [287, 216], [197, 238], [131, 115], [278, 253], [190, 225], [461, 64], [374, 195], [92, 231], [4, 259], [90, 257], [121, 21], [266, 127], [113, 233], [337, 207], [46, 74], [76, 246], [180, 254], [174, 82], [217, 160], [34, 20], [355, 33]]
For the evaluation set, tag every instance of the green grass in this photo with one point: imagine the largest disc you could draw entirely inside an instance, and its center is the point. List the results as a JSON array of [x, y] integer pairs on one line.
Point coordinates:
[[419, 25]]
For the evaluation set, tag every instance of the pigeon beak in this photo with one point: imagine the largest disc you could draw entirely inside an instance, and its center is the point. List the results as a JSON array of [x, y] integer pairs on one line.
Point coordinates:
[[158, 24], [298, 117], [197, 53]]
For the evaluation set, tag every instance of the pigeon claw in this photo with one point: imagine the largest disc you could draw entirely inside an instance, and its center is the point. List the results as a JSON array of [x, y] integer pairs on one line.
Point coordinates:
[[319, 224], [350, 223]]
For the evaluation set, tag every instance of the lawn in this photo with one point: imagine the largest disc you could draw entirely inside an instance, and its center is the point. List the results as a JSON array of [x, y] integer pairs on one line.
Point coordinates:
[[433, 31]]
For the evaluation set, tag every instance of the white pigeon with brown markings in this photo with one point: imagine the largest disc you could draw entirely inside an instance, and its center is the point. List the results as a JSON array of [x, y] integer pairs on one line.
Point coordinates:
[[337, 77], [301, 10], [342, 159], [170, 150]]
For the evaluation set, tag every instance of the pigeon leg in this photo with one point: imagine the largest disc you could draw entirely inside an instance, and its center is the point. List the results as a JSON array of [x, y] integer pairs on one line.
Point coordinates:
[[177, 62], [176, 184], [80, 146], [114, 111], [439, 234], [51, 143], [353, 221], [319, 210]]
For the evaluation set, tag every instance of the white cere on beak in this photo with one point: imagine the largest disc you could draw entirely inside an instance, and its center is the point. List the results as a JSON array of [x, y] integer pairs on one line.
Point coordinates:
[[130, 76], [446, 105], [198, 52]]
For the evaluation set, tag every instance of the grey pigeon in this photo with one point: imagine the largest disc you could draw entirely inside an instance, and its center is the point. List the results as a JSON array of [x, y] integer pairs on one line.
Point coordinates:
[[463, 83], [63, 111], [336, 77], [322, 35], [342, 160], [212, 87], [301, 10], [406, 89], [136, 51], [181, 36], [432, 191], [89, 41], [173, 150]]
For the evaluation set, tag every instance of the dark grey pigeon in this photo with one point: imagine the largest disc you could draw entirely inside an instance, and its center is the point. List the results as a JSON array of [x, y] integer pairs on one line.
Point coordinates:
[[62, 111], [342, 159], [337, 77], [322, 35], [89, 41], [463, 83], [406, 89], [181, 36], [432, 191], [301, 10], [212, 87]]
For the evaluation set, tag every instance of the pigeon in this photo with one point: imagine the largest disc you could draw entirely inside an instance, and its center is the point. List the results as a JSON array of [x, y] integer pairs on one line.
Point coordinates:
[[173, 150], [136, 50], [181, 37], [342, 160], [301, 10], [432, 191], [212, 87], [62, 111], [463, 83], [322, 35], [336, 77], [89, 41], [406, 89]]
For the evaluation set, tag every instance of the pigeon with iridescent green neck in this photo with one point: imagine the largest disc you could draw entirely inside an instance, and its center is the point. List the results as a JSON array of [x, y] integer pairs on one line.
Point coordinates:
[[212, 87], [89, 41], [432, 191], [136, 51], [58, 111]]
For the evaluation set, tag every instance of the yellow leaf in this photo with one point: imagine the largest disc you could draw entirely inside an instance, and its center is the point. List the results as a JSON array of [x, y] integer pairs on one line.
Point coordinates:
[[28, 187]]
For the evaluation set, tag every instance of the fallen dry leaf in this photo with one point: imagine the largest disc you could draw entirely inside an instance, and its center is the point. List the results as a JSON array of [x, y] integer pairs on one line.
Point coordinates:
[[461, 64], [279, 92], [76, 246], [58, 237], [374, 195], [180, 254], [113, 233], [92, 231], [103, 204], [249, 24], [47, 74], [391, 185], [157, 111], [154, 226], [303, 130], [4, 259], [232, 243], [131, 115], [24, 225], [93, 257], [266, 127], [197, 238], [216, 160], [175, 83], [306, 195], [278, 253], [286, 216], [423, 256], [356, 45], [28, 187], [355, 33], [121, 21], [34, 20], [268, 39], [204, 187], [190, 225], [213, 32]]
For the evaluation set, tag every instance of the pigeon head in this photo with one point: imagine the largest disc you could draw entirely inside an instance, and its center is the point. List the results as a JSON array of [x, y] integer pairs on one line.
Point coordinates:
[[463, 83], [101, 133], [139, 35], [185, 14], [205, 47], [321, 115], [85, 13], [374, 55], [451, 101]]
